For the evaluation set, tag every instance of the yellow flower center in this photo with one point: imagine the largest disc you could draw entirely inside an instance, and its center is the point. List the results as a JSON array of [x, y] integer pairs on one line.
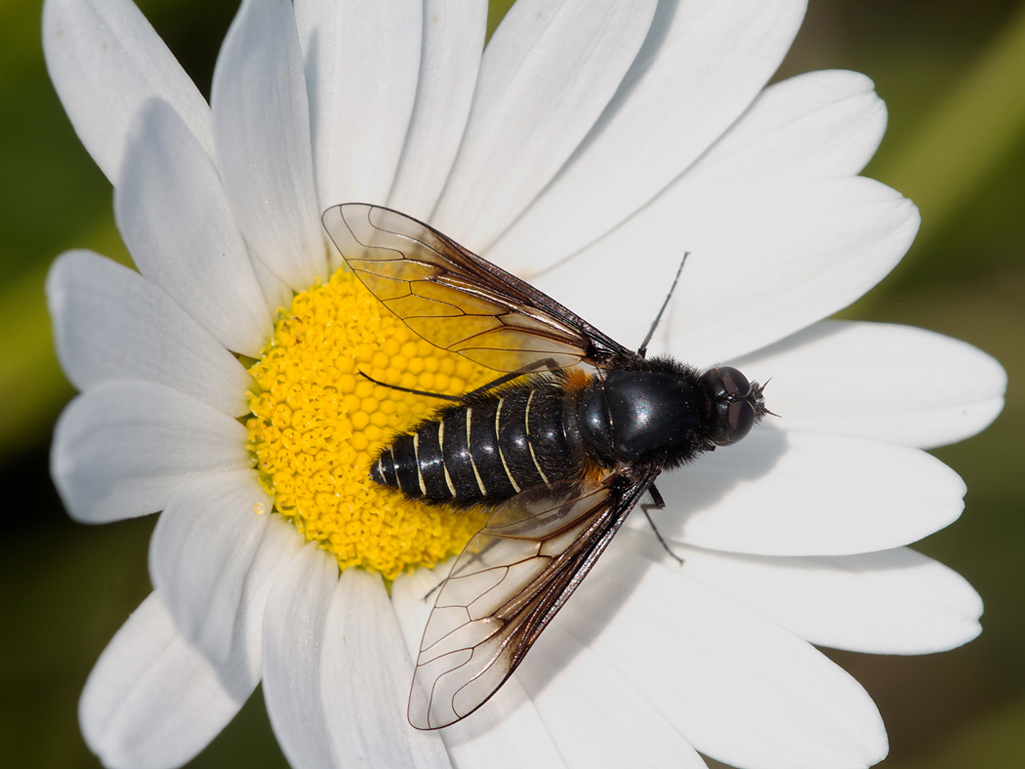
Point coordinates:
[[317, 424]]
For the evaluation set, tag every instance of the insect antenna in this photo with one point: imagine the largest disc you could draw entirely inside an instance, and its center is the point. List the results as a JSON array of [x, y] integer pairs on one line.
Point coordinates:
[[765, 410], [651, 332]]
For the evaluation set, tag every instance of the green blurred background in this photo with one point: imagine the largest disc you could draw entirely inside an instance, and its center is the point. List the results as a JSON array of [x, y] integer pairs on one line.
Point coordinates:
[[953, 75]]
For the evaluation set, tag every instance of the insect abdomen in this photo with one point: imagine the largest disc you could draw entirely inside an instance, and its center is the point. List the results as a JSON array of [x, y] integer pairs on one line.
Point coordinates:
[[483, 451]]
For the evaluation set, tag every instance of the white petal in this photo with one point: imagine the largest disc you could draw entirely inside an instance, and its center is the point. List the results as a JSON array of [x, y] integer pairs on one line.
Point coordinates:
[[889, 602], [814, 126], [277, 293], [106, 61], [764, 261], [671, 106], [507, 731], [453, 38], [153, 701], [362, 60], [176, 221], [201, 552], [111, 323], [262, 127], [894, 383], [791, 493], [292, 656], [547, 74], [125, 448], [366, 659], [281, 542], [596, 717], [740, 688]]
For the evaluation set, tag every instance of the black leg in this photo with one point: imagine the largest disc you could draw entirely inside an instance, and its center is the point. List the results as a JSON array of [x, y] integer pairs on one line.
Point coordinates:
[[545, 364], [441, 396], [657, 503]]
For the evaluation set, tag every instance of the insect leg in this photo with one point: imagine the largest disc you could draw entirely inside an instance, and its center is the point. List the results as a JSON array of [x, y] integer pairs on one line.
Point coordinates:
[[442, 396], [657, 503], [545, 364], [651, 331], [431, 592]]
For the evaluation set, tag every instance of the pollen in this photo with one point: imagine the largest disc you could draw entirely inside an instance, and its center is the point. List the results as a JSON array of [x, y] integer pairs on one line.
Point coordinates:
[[318, 422]]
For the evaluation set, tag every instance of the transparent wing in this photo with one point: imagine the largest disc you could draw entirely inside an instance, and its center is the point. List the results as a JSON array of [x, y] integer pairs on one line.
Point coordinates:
[[458, 301], [506, 586]]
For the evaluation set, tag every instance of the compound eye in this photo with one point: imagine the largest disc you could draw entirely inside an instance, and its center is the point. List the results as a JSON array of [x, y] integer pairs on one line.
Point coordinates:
[[734, 383], [735, 413], [741, 418]]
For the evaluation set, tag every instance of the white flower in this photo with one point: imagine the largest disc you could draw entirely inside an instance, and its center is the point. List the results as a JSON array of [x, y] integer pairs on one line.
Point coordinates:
[[587, 148]]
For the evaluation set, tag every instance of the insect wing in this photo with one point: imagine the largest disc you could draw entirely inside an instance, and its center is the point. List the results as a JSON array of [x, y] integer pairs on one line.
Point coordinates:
[[457, 300], [504, 589]]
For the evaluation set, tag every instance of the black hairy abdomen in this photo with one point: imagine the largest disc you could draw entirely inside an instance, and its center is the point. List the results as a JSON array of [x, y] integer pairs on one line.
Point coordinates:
[[483, 450]]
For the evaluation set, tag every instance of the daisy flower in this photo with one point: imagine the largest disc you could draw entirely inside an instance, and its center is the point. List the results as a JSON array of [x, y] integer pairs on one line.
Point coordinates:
[[585, 149]]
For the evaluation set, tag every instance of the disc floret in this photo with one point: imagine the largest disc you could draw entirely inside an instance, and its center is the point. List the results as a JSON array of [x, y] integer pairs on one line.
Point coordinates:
[[317, 422]]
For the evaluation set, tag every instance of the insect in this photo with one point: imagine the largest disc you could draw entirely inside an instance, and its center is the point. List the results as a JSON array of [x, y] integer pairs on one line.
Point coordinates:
[[560, 447]]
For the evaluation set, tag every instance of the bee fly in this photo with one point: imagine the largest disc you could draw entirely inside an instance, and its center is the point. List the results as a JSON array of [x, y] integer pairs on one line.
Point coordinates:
[[560, 456]]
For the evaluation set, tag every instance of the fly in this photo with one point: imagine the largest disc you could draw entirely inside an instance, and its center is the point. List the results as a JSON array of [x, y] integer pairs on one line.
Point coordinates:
[[559, 455]]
